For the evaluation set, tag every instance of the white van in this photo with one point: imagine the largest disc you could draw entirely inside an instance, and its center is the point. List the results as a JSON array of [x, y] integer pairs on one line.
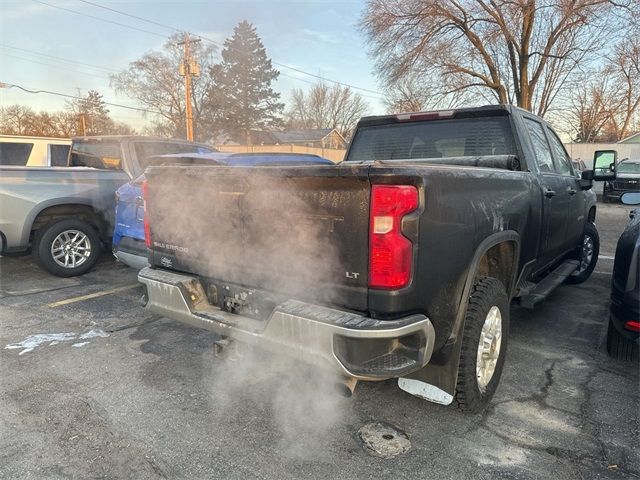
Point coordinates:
[[34, 151]]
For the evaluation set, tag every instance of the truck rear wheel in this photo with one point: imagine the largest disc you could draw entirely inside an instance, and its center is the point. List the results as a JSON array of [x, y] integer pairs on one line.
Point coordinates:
[[619, 347], [484, 345], [587, 255], [66, 248]]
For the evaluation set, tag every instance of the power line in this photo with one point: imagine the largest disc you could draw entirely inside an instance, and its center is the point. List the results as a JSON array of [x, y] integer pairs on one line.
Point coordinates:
[[33, 52], [53, 66], [169, 27], [100, 19], [75, 97]]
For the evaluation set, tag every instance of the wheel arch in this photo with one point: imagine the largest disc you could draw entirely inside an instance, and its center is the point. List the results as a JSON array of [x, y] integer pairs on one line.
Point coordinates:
[[49, 211], [442, 371], [496, 256]]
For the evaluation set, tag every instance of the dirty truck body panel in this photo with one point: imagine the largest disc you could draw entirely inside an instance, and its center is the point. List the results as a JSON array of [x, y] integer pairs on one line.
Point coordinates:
[[292, 230], [283, 249]]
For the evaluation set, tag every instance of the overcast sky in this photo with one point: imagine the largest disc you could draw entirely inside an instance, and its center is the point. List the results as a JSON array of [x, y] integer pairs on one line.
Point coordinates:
[[318, 36]]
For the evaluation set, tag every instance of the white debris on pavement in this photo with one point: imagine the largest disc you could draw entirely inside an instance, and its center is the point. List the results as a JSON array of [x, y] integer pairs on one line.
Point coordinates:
[[80, 344], [96, 332], [32, 341]]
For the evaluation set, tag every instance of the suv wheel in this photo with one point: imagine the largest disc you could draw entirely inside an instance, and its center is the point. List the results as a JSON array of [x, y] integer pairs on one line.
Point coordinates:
[[67, 248], [587, 255], [484, 345]]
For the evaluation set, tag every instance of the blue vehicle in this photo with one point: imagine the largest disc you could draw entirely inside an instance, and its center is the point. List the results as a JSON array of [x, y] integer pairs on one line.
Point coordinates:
[[128, 235]]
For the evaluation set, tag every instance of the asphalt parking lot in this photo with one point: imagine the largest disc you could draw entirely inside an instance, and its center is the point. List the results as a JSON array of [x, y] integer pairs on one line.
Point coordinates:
[[110, 391]]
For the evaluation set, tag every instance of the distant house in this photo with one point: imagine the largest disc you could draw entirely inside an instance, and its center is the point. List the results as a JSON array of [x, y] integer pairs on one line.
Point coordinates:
[[318, 138], [635, 138]]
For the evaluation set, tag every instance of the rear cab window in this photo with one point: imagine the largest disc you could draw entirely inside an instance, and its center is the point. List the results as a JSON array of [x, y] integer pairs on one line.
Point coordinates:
[[14, 153], [456, 137], [58, 155], [105, 155]]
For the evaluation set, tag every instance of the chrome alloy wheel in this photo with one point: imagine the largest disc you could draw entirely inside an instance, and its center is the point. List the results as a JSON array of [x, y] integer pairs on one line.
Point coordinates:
[[586, 255], [71, 249], [489, 348]]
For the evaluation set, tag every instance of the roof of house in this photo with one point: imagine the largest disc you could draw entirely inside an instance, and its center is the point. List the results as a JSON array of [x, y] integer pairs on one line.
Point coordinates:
[[291, 136], [294, 136], [635, 138]]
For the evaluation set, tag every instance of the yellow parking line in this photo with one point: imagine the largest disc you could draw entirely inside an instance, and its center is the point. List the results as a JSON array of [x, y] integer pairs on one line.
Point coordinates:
[[92, 295]]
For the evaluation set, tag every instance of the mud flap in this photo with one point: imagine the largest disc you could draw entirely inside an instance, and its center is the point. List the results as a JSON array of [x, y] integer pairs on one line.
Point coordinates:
[[425, 391], [436, 381]]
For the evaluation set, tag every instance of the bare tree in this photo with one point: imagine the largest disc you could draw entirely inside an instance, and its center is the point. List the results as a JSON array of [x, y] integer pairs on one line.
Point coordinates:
[[590, 108], [324, 106], [522, 51], [624, 66], [22, 120], [154, 81], [415, 94], [16, 120]]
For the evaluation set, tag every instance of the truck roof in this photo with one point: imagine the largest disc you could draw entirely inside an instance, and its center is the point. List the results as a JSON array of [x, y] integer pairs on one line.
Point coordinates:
[[434, 114]]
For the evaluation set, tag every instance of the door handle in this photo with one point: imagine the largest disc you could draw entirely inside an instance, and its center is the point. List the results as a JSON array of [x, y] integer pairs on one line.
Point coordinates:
[[549, 193], [571, 191]]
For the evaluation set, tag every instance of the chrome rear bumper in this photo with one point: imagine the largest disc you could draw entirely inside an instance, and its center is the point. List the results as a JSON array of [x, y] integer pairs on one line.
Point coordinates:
[[345, 342]]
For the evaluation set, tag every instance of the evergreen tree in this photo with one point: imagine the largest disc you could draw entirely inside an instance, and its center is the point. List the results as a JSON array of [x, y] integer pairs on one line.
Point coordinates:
[[95, 112], [241, 95]]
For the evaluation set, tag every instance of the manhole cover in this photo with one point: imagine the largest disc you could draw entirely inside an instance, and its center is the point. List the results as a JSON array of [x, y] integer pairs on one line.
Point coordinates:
[[384, 440]]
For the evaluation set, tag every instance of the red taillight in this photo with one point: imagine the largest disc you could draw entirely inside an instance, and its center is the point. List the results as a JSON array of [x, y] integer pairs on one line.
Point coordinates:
[[390, 252], [632, 325], [147, 227]]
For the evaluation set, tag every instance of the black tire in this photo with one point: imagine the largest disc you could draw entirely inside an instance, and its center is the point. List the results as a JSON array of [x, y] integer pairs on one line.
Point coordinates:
[[580, 276], [619, 347], [470, 395], [45, 237]]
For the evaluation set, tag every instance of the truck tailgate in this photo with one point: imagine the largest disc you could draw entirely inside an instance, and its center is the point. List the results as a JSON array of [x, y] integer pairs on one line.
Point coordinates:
[[298, 231]]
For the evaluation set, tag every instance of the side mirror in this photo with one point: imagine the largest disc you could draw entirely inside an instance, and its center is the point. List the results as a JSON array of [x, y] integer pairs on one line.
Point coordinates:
[[630, 198], [604, 164], [586, 179]]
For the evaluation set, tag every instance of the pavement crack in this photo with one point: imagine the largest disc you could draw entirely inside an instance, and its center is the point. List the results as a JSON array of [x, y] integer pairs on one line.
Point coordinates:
[[36, 292], [155, 467], [129, 326], [541, 397]]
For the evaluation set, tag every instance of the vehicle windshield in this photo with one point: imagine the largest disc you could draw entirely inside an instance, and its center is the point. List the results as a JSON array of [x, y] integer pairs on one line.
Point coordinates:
[[466, 137], [629, 167]]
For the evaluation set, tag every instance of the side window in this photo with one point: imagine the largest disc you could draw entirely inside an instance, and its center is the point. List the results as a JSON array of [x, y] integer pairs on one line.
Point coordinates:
[[15, 153], [96, 154], [560, 155], [58, 155], [540, 146]]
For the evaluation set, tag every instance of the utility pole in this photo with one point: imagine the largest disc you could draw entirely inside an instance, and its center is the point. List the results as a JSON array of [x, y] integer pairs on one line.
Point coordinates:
[[83, 124], [188, 68]]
